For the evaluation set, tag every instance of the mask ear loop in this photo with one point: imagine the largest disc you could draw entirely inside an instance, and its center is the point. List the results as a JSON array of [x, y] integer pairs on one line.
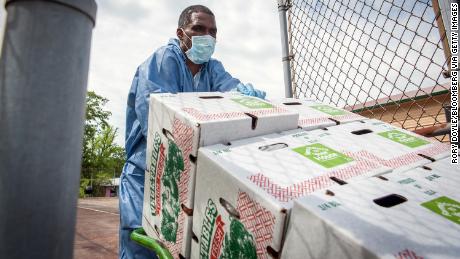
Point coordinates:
[[187, 38]]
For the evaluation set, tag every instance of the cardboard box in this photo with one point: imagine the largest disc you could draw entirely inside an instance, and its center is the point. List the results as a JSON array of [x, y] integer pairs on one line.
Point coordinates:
[[315, 115], [393, 147], [444, 168], [438, 175], [178, 125], [374, 218], [245, 190]]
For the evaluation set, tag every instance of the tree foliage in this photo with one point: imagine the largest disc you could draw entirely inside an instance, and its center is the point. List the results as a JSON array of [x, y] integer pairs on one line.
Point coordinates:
[[102, 157]]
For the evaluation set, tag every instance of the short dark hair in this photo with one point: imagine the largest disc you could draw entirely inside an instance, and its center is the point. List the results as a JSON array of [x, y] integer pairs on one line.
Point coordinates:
[[185, 17]]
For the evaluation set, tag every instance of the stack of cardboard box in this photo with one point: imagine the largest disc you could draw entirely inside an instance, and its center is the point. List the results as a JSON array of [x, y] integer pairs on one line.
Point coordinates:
[[415, 214], [254, 184], [178, 125], [239, 170], [257, 180]]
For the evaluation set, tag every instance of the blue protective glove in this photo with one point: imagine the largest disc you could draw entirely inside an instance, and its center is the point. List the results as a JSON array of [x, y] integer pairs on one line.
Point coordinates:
[[248, 89]]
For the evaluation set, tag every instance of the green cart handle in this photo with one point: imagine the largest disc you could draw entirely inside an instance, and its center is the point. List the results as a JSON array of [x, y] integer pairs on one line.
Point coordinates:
[[139, 236]]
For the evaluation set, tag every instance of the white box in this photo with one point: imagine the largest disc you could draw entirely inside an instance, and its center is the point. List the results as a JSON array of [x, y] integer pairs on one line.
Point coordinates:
[[347, 222], [394, 147], [258, 181], [178, 125], [438, 175], [445, 168], [315, 115]]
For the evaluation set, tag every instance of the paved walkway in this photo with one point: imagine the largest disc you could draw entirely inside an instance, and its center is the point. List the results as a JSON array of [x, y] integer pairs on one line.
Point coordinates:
[[96, 233]]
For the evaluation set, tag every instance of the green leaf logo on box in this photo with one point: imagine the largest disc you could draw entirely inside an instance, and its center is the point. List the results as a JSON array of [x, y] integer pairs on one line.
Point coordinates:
[[322, 155], [239, 244], [446, 207], [170, 193], [215, 243], [252, 103], [403, 138], [154, 162], [329, 110]]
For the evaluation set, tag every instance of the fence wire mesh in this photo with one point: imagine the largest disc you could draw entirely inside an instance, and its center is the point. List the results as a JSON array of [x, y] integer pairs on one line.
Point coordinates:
[[382, 59]]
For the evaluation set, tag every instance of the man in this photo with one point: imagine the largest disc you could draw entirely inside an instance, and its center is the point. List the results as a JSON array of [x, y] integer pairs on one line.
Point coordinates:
[[184, 65]]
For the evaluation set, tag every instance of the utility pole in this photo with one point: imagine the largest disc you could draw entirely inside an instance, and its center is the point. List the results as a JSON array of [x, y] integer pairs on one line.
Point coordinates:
[[43, 79]]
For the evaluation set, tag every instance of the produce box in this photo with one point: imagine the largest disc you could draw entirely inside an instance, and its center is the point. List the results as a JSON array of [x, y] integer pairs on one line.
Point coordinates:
[[315, 115], [440, 174], [244, 190], [375, 218], [393, 147], [178, 125]]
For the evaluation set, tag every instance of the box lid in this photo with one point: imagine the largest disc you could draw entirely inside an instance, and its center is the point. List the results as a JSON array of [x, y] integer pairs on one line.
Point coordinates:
[[314, 114], [216, 106], [294, 165], [390, 219], [391, 146]]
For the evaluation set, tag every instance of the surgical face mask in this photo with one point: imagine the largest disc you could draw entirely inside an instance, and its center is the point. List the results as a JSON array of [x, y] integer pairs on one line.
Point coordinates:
[[202, 48]]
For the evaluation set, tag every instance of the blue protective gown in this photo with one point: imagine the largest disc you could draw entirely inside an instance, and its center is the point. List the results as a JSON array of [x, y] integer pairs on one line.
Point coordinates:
[[164, 71]]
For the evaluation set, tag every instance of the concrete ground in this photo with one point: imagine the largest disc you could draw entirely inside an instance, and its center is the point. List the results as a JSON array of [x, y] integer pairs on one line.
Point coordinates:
[[96, 234]]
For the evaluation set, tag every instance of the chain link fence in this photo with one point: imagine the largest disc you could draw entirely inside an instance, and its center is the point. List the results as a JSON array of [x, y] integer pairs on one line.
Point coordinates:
[[382, 59]]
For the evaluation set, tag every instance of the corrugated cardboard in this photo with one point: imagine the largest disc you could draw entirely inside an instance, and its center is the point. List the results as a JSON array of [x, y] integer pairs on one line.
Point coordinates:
[[178, 125], [348, 222], [315, 115], [391, 146], [437, 175], [245, 190]]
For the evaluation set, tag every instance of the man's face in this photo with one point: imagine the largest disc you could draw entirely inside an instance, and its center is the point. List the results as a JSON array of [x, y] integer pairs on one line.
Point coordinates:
[[201, 24]]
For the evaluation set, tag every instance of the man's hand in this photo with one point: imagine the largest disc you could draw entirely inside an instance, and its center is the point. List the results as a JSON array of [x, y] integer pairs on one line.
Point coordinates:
[[248, 89]]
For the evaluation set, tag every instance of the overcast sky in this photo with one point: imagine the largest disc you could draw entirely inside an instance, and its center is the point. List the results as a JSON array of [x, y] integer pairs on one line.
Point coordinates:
[[127, 32]]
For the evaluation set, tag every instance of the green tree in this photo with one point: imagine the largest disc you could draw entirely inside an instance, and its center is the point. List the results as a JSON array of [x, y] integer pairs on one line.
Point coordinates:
[[102, 157], [96, 120]]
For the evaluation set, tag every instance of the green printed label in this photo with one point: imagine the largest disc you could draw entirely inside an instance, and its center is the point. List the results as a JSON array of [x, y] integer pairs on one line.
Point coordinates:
[[416, 185], [446, 207], [323, 155], [403, 138], [216, 243], [429, 192], [329, 205], [209, 218], [153, 173], [329, 110], [406, 181], [221, 151], [239, 243], [252, 103], [300, 134], [174, 166], [432, 177]]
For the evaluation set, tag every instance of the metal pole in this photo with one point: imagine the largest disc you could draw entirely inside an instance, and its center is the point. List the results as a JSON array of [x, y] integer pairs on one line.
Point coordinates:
[[443, 7], [43, 76], [439, 8], [283, 6]]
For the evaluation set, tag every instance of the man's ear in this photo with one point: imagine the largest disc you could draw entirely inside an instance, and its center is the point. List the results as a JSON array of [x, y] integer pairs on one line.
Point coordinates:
[[179, 33]]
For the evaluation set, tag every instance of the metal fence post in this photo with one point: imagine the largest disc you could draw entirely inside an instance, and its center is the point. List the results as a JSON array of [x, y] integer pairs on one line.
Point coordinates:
[[283, 6], [441, 10], [444, 9], [43, 76]]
